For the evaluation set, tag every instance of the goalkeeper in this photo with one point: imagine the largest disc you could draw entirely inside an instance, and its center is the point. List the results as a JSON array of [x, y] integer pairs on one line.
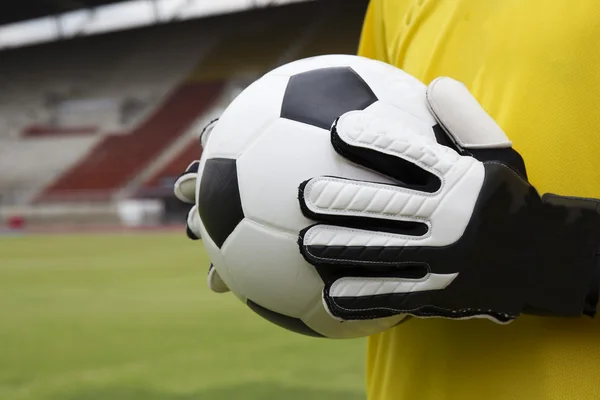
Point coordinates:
[[533, 65]]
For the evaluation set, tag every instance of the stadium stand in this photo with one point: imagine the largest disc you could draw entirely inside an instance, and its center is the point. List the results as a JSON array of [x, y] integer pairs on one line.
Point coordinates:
[[165, 177], [90, 82], [37, 131], [93, 121], [117, 158], [111, 89], [29, 164]]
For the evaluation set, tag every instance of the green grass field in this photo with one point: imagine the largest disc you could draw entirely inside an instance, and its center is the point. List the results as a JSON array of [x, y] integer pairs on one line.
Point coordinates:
[[124, 316]]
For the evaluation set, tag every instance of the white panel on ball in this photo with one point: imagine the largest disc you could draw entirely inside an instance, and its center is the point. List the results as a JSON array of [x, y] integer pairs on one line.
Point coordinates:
[[243, 120], [394, 86], [260, 259], [273, 167], [270, 270]]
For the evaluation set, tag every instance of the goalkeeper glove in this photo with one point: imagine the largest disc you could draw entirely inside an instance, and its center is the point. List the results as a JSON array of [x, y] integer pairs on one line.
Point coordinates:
[[462, 233]]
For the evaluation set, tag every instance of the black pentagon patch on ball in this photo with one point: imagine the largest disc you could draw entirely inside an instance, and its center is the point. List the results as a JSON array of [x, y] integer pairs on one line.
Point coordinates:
[[289, 323], [219, 202], [320, 96]]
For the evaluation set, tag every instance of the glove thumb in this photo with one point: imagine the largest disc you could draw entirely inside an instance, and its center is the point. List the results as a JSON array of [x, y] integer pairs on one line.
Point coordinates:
[[185, 186], [462, 117], [468, 128], [193, 224]]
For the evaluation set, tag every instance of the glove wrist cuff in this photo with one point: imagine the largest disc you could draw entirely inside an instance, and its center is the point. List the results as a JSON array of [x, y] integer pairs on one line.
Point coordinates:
[[593, 299], [580, 225]]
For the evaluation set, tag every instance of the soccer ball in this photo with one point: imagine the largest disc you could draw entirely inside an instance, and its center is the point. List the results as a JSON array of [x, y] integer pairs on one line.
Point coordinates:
[[271, 138]]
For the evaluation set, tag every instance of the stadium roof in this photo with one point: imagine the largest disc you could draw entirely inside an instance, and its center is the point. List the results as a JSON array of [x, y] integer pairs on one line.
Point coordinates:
[[20, 10], [25, 22]]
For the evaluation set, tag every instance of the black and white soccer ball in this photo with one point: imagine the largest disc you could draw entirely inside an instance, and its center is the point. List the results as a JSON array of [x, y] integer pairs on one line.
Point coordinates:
[[272, 137]]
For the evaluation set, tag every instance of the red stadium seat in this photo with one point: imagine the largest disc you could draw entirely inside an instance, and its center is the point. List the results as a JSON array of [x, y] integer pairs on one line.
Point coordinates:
[[117, 159]]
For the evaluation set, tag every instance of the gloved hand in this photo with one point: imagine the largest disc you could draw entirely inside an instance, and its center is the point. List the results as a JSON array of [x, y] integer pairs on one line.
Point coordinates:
[[462, 233], [185, 190]]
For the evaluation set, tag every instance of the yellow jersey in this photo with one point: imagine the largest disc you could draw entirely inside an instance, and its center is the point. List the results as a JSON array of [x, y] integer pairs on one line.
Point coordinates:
[[535, 67]]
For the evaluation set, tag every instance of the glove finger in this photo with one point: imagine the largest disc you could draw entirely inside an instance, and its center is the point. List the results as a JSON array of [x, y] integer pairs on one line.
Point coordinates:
[[205, 134], [327, 245], [411, 157], [353, 298], [463, 117], [362, 298], [193, 224], [344, 201], [215, 282], [431, 219], [185, 186], [368, 273]]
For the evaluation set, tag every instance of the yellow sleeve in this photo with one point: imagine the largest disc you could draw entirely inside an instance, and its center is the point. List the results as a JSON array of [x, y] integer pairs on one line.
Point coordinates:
[[372, 40]]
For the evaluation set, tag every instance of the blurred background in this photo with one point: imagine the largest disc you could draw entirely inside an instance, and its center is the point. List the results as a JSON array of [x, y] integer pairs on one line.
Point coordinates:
[[101, 294]]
